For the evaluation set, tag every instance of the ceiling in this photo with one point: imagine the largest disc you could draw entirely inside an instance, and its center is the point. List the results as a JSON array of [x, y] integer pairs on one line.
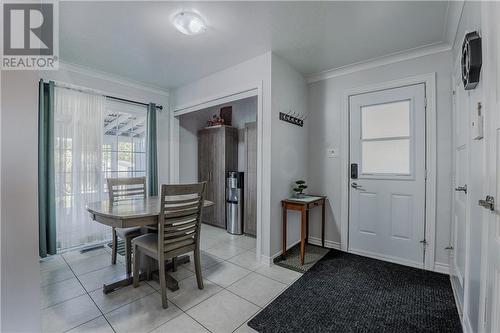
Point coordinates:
[[136, 40]]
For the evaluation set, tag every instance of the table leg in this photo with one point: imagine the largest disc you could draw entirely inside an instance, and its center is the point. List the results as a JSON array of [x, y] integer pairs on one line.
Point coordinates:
[[307, 226], [302, 236], [283, 237], [323, 224]]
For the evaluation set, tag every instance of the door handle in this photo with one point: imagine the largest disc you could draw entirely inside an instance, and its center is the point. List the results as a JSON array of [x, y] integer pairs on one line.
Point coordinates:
[[488, 203], [357, 187], [461, 189]]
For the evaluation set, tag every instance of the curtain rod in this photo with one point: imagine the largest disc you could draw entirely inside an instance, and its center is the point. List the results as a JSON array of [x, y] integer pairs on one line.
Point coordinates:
[[87, 90], [130, 101]]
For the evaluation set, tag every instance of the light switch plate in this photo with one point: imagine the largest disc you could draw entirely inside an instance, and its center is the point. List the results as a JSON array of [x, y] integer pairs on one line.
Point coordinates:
[[331, 152]]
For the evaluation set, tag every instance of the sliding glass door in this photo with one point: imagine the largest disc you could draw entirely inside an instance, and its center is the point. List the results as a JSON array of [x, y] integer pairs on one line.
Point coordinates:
[[95, 139]]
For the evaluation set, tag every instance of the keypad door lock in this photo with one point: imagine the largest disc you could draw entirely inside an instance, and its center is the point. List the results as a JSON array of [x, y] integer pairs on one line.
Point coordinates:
[[488, 203]]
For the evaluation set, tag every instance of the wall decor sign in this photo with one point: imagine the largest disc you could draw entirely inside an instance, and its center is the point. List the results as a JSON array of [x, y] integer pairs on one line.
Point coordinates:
[[293, 118], [471, 60]]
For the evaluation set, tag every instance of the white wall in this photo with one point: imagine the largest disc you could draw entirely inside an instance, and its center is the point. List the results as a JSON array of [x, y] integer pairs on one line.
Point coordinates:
[[253, 73], [124, 89], [289, 148], [20, 279], [325, 104], [244, 111]]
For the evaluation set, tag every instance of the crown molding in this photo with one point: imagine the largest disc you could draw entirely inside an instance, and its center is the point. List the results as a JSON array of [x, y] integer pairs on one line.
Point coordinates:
[[454, 12], [380, 61], [102, 75]]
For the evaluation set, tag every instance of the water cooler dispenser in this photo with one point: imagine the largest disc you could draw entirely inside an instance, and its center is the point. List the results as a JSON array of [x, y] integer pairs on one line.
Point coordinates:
[[234, 202]]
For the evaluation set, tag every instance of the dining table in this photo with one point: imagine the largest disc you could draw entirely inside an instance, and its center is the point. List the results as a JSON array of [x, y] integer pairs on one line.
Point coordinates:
[[134, 213]]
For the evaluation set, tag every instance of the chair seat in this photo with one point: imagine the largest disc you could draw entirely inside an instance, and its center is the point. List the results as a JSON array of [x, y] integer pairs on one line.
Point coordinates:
[[149, 242], [128, 232]]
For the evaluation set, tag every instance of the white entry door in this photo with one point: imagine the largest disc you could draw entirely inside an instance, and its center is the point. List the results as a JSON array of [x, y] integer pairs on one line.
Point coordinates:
[[387, 185], [491, 313]]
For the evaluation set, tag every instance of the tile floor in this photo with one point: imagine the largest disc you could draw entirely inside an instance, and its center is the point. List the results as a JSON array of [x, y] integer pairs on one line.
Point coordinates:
[[237, 287]]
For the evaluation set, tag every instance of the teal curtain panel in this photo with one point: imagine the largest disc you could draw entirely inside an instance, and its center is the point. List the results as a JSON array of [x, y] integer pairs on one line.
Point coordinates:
[[46, 184], [152, 164]]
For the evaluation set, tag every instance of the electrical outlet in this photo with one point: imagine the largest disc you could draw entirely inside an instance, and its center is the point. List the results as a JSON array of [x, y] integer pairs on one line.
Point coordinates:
[[332, 152]]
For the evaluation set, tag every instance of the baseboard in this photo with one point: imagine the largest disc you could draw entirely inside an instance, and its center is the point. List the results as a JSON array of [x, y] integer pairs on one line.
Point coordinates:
[[265, 260], [328, 244], [466, 327], [441, 268], [386, 258]]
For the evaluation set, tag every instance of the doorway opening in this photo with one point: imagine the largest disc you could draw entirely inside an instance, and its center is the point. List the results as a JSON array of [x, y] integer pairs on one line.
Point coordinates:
[[217, 142]]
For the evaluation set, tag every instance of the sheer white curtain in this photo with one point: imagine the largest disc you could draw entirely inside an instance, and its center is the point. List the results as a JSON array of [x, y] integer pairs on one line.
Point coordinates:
[[78, 131]]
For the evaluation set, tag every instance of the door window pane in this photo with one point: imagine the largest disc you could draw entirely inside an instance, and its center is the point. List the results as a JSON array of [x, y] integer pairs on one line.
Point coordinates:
[[386, 157], [385, 120]]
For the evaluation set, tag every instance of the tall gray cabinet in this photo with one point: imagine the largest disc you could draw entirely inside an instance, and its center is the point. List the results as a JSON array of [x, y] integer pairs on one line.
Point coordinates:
[[217, 154]]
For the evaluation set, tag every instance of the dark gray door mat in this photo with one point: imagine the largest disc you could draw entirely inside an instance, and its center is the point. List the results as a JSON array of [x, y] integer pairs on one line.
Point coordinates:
[[292, 260], [348, 293]]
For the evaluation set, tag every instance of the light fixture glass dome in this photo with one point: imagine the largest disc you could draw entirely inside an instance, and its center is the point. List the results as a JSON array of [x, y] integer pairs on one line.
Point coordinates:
[[189, 23]]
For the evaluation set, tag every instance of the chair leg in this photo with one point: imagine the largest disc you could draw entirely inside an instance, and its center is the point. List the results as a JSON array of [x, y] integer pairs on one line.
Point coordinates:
[[149, 265], [197, 267], [114, 248], [136, 266], [163, 282], [174, 264], [128, 254]]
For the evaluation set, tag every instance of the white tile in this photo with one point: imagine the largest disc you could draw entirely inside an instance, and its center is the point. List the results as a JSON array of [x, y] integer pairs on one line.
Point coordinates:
[[76, 255], [85, 265], [181, 273], [225, 251], [206, 261], [188, 294], [284, 275], [246, 260], [94, 280], [207, 243], [142, 315], [59, 292], [225, 273], [245, 329], [98, 325], [56, 274], [182, 323], [51, 262], [109, 302], [257, 289], [70, 314], [244, 242], [223, 312]]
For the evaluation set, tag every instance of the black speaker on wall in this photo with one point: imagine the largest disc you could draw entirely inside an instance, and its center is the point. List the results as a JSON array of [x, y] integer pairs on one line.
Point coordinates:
[[471, 60]]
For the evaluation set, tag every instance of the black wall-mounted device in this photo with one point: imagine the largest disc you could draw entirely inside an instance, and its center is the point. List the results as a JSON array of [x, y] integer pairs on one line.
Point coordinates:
[[471, 60]]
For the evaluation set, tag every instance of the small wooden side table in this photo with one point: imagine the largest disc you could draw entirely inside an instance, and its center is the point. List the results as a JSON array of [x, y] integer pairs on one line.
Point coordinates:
[[303, 205]]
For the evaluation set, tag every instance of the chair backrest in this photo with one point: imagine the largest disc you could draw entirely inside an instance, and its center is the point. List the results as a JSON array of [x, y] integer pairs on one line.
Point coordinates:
[[126, 188], [179, 220]]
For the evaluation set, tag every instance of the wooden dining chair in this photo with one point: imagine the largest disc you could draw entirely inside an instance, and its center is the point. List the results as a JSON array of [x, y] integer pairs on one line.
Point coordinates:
[[121, 189], [179, 224]]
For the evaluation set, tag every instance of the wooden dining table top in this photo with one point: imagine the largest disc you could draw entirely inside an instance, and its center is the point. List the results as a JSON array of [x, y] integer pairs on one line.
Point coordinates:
[[130, 209]]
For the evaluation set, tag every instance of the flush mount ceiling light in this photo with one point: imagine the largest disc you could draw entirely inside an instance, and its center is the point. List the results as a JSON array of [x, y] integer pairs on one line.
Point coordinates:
[[189, 23]]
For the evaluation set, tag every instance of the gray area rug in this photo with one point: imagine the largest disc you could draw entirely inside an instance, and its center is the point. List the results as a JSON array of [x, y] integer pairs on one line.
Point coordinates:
[[348, 293], [292, 260]]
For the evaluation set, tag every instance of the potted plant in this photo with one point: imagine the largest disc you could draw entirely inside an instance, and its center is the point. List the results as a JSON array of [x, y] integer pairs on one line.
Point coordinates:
[[300, 186]]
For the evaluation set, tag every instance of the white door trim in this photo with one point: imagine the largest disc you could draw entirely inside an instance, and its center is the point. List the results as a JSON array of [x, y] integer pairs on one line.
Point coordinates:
[[225, 97], [431, 150]]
